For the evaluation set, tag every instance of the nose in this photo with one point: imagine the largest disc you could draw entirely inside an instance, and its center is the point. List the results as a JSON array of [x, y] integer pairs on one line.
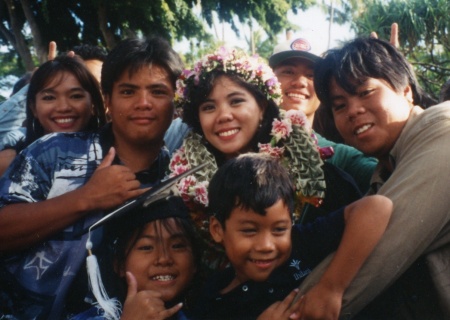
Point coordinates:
[[163, 256], [265, 242], [64, 105], [354, 108], [300, 80], [225, 114], [143, 100]]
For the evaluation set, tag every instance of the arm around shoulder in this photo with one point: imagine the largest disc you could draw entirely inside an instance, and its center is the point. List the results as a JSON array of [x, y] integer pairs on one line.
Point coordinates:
[[366, 221]]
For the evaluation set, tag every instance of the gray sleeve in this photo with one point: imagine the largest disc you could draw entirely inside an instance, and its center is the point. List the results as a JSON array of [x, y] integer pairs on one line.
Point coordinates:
[[420, 224]]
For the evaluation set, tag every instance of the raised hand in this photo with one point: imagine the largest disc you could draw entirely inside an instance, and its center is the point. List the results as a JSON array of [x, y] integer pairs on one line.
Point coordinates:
[[146, 304], [110, 185], [394, 35]]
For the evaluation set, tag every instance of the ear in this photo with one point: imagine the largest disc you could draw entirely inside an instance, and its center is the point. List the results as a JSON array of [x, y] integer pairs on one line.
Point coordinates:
[[215, 229], [407, 92]]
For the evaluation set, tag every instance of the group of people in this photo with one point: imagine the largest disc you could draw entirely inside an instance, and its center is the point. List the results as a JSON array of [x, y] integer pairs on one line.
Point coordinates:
[[279, 223]]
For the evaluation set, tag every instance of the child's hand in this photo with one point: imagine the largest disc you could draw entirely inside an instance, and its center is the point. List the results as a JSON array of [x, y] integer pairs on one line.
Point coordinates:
[[283, 309], [145, 304], [321, 303]]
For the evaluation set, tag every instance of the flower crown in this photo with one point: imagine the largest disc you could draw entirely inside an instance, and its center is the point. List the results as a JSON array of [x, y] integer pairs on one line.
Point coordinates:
[[250, 68]]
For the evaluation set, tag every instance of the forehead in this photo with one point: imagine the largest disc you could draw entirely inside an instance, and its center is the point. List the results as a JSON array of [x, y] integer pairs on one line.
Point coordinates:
[[296, 62], [224, 83], [162, 228], [278, 212], [60, 78], [152, 72]]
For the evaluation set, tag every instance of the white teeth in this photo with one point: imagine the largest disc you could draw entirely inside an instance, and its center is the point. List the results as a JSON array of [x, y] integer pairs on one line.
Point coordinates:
[[228, 133], [64, 120], [363, 128], [297, 96], [163, 278]]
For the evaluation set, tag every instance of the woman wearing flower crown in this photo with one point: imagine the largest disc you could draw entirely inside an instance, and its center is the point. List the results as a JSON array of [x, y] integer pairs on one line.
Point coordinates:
[[230, 100]]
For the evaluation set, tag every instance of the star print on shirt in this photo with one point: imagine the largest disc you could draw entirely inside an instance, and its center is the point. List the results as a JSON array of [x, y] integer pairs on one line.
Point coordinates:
[[40, 263]]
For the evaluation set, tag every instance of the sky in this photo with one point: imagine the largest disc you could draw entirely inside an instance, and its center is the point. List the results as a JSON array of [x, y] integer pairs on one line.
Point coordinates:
[[312, 25]]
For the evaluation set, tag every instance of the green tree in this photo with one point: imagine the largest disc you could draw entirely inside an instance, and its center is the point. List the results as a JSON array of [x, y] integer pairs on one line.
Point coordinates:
[[28, 25]]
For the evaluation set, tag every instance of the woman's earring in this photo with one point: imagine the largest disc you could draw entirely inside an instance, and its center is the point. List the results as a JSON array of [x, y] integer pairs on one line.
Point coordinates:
[[33, 127]]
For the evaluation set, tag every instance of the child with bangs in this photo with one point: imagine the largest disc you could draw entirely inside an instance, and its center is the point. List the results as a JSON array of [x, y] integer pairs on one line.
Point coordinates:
[[150, 263], [251, 202]]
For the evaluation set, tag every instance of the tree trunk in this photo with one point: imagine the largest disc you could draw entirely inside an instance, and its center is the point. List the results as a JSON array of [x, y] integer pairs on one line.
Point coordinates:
[[19, 42], [39, 45], [330, 25], [103, 23]]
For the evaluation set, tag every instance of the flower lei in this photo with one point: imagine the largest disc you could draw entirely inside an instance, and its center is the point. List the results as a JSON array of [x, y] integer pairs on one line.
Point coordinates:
[[291, 143], [250, 68]]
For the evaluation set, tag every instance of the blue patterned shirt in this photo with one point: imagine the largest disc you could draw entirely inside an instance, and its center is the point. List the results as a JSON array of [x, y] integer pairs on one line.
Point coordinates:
[[12, 116], [34, 282]]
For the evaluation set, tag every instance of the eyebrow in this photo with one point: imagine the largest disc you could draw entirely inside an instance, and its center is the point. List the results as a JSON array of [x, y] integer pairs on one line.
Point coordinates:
[[152, 86], [51, 90], [230, 95], [246, 221]]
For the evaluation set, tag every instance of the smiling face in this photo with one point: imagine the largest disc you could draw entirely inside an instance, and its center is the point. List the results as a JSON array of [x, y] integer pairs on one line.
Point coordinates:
[[255, 244], [230, 117], [296, 78], [63, 105], [161, 260], [141, 106], [373, 118]]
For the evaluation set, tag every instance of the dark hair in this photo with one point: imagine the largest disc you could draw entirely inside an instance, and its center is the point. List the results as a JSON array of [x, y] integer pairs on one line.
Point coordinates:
[[252, 181], [44, 75], [364, 58], [90, 52], [444, 94], [199, 93], [324, 125], [132, 54]]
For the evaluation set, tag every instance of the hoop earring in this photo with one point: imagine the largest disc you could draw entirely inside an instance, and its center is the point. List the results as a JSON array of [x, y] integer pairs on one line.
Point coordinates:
[[33, 126]]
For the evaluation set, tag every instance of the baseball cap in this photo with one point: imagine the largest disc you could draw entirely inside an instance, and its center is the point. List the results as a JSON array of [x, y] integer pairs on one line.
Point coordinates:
[[299, 47]]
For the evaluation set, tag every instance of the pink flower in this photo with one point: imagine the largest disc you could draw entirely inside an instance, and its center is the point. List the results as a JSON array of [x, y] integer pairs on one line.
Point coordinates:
[[296, 117], [186, 184], [272, 151], [178, 160], [201, 193], [281, 129], [179, 169]]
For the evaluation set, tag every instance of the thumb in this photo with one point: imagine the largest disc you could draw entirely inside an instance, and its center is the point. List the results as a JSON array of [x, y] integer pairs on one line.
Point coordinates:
[[132, 285], [108, 159]]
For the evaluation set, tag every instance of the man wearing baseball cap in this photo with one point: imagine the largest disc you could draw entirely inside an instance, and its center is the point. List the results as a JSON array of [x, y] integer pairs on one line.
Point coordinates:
[[293, 63]]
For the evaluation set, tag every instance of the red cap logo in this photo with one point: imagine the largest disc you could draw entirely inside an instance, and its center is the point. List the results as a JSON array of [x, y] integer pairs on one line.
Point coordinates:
[[300, 45]]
